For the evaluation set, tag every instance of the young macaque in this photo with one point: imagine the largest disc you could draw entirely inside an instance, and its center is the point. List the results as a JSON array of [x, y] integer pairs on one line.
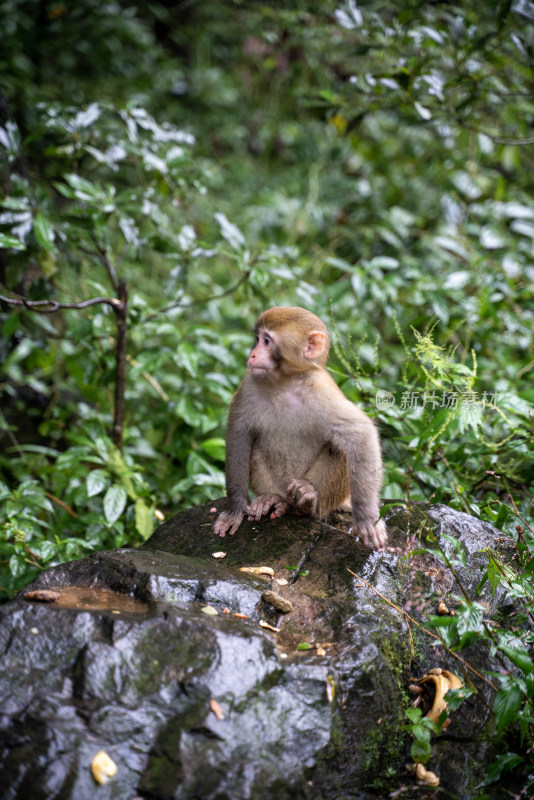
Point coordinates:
[[293, 436]]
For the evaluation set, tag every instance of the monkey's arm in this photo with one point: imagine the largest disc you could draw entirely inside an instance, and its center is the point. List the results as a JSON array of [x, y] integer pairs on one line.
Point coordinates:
[[353, 433], [239, 438]]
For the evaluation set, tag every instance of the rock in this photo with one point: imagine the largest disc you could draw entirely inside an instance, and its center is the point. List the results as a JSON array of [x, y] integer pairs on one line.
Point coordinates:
[[124, 661]]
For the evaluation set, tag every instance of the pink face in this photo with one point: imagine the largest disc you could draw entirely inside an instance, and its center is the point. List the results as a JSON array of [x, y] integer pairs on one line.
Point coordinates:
[[261, 360]]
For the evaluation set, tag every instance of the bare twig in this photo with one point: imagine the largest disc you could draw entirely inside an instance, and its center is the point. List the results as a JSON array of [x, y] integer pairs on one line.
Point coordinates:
[[516, 512], [180, 304], [433, 635], [120, 382], [61, 503], [50, 306], [156, 385]]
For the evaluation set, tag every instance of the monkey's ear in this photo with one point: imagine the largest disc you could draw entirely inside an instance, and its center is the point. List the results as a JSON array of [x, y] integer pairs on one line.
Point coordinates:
[[314, 346]]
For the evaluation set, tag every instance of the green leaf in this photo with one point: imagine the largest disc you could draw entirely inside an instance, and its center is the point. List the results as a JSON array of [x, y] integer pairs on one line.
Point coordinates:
[[17, 565], [420, 750], [97, 480], [230, 232], [506, 705], [48, 550], [414, 714], [519, 656], [215, 448], [504, 763], [83, 189], [10, 243], [15, 204], [114, 503], [187, 357], [43, 231], [304, 646], [455, 697], [144, 518]]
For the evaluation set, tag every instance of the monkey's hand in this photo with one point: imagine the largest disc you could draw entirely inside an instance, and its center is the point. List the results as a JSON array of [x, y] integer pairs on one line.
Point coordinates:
[[228, 522], [373, 535], [302, 495], [261, 505]]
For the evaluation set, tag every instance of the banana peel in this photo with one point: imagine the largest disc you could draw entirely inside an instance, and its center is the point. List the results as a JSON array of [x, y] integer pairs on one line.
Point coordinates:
[[425, 777], [443, 680]]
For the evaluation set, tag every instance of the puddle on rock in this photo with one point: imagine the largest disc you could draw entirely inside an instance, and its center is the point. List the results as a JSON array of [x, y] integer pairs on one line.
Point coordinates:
[[87, 599]]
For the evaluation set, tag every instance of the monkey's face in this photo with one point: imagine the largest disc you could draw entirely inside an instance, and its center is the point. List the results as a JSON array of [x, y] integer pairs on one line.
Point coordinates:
[[264, 357]]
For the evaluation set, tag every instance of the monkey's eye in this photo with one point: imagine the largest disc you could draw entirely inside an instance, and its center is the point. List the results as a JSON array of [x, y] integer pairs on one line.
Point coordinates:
[[265, 340]]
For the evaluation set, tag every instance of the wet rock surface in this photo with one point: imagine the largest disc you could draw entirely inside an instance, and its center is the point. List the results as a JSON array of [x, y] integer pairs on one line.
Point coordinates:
[[122, 657]]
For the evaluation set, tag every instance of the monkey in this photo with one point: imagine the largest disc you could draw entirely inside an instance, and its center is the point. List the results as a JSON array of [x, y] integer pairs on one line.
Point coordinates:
[[294, 437]]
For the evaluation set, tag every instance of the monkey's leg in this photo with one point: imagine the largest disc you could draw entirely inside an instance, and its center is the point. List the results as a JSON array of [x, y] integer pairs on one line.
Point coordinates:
[[261, 505], [324, 486]]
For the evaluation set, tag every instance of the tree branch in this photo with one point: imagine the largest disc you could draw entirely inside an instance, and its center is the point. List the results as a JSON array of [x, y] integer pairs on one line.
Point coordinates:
[[120, 357], [50, 306]]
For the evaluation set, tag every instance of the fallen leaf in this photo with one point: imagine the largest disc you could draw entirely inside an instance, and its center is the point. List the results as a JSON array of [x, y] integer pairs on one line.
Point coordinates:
[[425, 776], [258, 570], [212, 612], [269, 627], [330, 688], [216, 708], [42, 596], [277, 601], [102, 767]]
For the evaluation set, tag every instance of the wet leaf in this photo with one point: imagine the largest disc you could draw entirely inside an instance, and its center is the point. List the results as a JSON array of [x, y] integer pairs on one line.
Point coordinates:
[[114, 503]]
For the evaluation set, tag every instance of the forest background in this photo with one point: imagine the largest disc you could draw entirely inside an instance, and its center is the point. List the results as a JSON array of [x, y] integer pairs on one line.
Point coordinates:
[[168, 170]]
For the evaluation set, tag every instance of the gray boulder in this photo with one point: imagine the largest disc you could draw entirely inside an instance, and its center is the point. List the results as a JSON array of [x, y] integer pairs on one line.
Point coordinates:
[[195, 706]]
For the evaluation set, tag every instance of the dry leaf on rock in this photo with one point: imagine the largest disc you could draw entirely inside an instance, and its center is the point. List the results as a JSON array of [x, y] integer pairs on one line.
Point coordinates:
[[277, 601], [330, 688], [426, 777], [102, 767], [258, 571], [216, 708], [269, 627], [42, 596]]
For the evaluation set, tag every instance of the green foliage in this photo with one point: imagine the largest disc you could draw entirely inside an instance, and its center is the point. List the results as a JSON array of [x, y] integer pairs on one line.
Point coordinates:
[[421, 729], [513, 704]]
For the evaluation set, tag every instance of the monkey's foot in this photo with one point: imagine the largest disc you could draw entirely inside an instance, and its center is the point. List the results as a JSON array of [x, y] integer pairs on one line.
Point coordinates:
[[372, 535], [227, 522], [261, 505], [302, 495]]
